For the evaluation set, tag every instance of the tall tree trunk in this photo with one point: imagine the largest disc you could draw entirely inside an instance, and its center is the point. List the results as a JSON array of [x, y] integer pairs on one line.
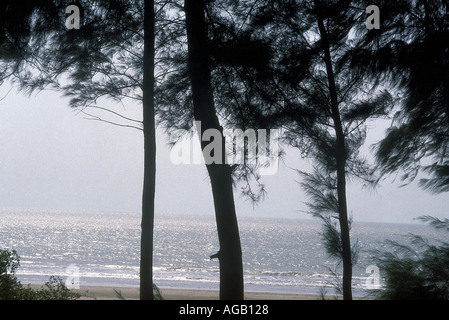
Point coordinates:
[[149, 179], [340, 157], [230, 253]]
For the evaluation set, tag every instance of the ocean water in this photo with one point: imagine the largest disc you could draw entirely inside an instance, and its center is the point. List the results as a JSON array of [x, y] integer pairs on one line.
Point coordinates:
[[279, 255]]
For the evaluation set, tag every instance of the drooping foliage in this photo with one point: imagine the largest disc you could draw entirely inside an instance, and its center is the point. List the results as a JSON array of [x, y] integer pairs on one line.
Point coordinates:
[[419, 271], [409, 53]]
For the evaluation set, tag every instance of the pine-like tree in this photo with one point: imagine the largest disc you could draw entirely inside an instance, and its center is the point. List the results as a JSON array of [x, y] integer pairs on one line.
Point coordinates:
[[112, 56], [301, 82], [230, 252]]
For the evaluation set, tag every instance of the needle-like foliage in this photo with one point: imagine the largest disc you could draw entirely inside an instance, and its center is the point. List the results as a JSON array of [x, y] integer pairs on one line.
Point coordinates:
[[419, 271]]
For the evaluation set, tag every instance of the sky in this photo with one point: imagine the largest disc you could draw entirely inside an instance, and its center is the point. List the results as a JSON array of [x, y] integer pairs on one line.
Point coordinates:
[[53, 158]]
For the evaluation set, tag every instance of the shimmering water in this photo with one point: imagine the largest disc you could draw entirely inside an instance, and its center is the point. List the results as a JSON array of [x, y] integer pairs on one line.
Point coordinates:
[[278, 255]]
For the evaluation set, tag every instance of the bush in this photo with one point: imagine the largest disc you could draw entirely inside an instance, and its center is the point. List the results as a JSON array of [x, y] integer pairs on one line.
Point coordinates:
[[9, 286], [12, 289], [420, 272]]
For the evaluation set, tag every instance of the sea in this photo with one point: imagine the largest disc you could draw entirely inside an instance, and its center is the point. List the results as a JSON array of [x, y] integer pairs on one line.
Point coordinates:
[[103, 249]]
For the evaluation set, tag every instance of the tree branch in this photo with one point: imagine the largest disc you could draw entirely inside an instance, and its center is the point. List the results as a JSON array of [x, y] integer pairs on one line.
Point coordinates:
[[96, 118], [113, 112]]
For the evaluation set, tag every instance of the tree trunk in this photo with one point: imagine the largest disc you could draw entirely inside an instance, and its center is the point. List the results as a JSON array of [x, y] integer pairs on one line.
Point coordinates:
[[149, 179], [230, 253], [340, 157]]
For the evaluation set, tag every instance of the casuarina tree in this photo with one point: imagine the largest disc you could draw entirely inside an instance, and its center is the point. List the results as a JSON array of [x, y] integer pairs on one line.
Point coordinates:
[[308, 89], [110, 54], [229, 254]]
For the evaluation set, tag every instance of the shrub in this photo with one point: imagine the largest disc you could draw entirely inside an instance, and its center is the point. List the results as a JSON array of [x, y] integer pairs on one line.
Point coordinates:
[[420, 271], [12, 289], [9, 285]]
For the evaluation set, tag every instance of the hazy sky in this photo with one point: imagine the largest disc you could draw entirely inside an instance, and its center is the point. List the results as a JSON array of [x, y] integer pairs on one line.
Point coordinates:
[[53, 158]]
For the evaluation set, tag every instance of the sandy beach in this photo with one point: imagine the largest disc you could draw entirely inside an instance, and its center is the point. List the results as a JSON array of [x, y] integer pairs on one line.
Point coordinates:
[[108, 293]]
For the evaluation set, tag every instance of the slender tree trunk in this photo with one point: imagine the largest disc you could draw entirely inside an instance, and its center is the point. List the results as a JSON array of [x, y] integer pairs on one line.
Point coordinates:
[[340, 157], [230, 253], [149, 179]]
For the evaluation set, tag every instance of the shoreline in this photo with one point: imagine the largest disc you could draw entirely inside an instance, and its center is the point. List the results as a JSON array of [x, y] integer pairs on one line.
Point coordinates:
[[132, 293]]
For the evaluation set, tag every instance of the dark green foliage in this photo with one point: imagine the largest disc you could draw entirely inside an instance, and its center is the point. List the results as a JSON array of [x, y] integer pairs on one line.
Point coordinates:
[[101, 59], [440, 177], [435, 222], [236, 57], [12, 289], [410, 54], [323, 204], [54, 289], [322, 104], [9, 286], [321, 189], [24, 28], [416, 271]]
